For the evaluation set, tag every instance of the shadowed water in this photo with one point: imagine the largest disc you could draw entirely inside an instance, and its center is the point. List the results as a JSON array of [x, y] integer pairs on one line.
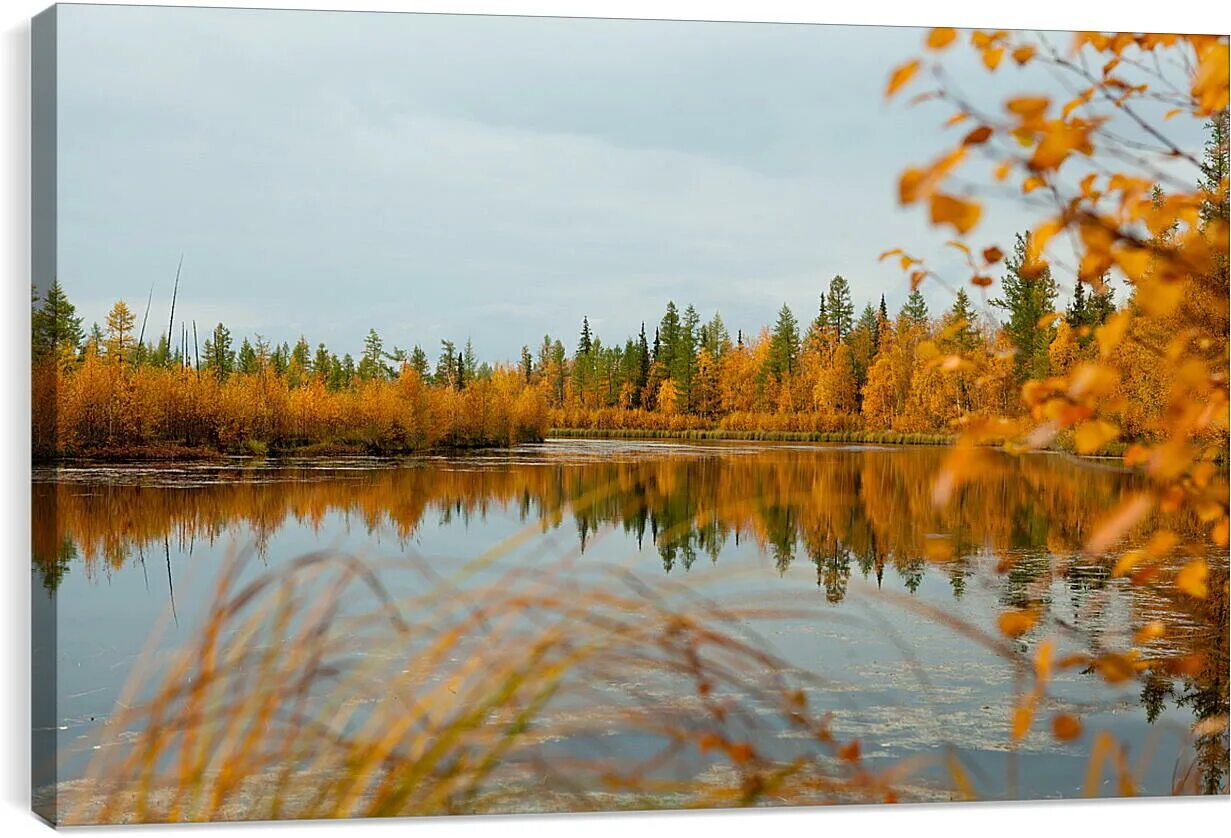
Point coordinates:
[[123, 549]]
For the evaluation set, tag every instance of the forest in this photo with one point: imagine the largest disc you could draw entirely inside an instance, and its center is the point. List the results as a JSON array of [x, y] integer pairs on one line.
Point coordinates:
[[913, 375]]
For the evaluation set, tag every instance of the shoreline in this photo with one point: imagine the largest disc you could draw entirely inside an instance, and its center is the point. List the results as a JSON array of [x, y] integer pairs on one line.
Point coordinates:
[[178, 453]]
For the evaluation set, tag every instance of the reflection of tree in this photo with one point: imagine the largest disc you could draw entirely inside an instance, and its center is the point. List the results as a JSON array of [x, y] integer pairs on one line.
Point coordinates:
[[1204, 690], [847, 511], [870, 508], [53, 566]]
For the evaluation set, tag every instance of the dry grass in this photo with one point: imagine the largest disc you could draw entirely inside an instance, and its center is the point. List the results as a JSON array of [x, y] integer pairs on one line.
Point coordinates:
[[457, 700]]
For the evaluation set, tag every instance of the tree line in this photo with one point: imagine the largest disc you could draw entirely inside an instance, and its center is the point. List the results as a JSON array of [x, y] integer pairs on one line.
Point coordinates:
[[910, 372]]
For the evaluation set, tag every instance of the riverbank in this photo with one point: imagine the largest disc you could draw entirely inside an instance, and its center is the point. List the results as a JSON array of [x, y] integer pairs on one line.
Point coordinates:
[[169, 453], [856, 437]]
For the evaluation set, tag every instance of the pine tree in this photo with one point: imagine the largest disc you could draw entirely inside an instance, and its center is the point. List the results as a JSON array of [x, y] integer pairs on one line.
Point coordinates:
[[643, 365], [586, 343], [419, 363], [915, 310], [717, 338], [668, 337], [446, 365], [371, 363], [784, 345], [470, 362], [527, 364], [320, 363], [961, 319], [841, 309], [54, 325], [245, 358], [685, 358], [219, 358], [1027, 301]]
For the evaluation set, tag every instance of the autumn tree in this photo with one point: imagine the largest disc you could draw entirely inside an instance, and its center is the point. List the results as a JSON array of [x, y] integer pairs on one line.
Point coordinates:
[[120, 323], [1093, 167]]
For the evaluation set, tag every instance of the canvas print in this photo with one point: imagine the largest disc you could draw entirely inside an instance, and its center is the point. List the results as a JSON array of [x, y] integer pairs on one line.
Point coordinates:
[[445, 414]]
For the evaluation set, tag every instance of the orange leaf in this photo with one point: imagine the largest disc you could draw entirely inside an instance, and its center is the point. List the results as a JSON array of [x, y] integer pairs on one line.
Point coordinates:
[[1065, 727], [992, 56], [1027, 107], [901, 76], [978, 136], [1093, 435], [1192, 579], [1150, 631], [1112, 332], [1023, 53], [981, 281], [1018, 622], [941, 37], [1032, 183], [1060, 139], [962, 214], [992, 255], [1113, 527]]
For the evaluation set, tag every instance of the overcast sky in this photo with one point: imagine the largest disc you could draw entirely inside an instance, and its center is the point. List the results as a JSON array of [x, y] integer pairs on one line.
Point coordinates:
[[486, 177]]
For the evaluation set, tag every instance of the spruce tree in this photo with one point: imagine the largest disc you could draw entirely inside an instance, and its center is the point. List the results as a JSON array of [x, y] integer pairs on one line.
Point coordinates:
[[54, 325], [586, 343], [419, 363], [915, 309], [784, 344], [643, 359], [1027, 300], [841, 309]]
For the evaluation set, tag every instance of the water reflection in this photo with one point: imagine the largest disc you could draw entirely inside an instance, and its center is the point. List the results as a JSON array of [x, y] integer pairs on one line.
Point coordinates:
[[846, 512]]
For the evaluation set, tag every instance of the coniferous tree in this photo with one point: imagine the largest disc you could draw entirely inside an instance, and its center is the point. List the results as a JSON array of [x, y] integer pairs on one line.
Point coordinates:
[[219, 358], [784, 345], [668, 338], [643, 364], [684, 364], [446, 365], [419, 363], [371, 363], [470, 362], [961, 317], [320, 363], [1027, 300], [841, 309], [527, 364], [54, 325], [120, 324], [245, 358], [717, 339], [586, 342], [915, 309]]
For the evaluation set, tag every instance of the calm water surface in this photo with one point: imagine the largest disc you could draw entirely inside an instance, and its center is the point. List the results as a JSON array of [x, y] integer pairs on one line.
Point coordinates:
[[123, 550]]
